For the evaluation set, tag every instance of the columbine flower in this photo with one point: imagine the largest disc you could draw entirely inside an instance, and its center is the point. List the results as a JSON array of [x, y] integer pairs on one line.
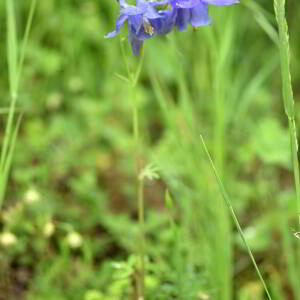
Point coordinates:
[[221, 2], [194, 12], [144, 22]]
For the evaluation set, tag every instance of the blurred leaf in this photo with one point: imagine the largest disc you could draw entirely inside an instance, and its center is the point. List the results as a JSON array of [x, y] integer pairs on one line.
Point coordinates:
[[251, 291], [271, 143]]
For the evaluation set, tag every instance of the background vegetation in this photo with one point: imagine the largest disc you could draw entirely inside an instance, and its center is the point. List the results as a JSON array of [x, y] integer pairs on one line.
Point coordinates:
[[69, 225]]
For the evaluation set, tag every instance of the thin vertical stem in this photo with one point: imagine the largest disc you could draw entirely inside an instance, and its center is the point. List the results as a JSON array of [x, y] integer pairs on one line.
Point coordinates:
[[140, 197], [288, 101], [287, 91], [142, 237], [15, 64], [12, 58], [294, 149], [25, 40], [140, 180], [222, 38]]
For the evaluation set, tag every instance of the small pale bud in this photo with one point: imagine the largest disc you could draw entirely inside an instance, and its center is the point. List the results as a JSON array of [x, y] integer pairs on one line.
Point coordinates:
[[49, 229], [32, 196], [7, 239], [74, 240], [203, 296]]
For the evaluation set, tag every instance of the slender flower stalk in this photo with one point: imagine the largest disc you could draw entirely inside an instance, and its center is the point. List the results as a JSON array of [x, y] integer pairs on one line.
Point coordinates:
[[133, 78], [140, 195], [287, 91]]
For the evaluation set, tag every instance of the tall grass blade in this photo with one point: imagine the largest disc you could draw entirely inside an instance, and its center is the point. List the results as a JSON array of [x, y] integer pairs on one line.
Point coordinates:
[[8, 161], [15, 65], [287, 91], [12, 57], [25, 39], [288, 100], [264, 19], [234, 217]]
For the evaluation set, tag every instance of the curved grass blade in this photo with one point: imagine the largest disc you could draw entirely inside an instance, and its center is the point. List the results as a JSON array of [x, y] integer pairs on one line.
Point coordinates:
[[234, 217]]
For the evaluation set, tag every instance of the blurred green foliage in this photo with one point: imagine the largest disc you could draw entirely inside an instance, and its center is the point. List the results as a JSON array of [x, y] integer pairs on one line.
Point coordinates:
[[69, 228]]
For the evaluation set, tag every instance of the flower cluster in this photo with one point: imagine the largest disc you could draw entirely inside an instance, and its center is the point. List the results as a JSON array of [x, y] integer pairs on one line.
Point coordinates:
[[145, 20]]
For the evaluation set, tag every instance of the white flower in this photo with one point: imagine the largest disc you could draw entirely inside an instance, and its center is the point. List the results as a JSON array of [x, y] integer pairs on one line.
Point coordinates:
[[74, 240], [49, 229], [7, 239], [32, 196], [203, 296]]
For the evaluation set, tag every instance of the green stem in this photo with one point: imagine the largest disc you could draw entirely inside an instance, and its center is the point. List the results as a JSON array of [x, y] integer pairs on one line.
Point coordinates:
[[142, 237], [288, 100], [140, 180], [294, 150], [221, 40], [287, 91], [15, 64], [219, 130], [287, 244], [25, 40], [140, 196]]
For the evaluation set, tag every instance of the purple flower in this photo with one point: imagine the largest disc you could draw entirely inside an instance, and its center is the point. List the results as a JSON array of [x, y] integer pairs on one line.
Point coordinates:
[[144, 22], [221, 2], [194, 12]]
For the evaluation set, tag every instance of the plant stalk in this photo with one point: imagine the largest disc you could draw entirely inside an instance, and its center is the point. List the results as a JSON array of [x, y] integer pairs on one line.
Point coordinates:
[[287, 91], [140, 180], [15, 65]]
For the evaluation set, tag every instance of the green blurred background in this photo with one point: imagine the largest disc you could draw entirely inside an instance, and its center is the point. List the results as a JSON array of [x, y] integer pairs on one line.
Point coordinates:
[[69, 220]]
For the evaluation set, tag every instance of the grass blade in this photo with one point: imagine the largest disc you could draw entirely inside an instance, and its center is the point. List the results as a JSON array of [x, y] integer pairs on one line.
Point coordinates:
[[15, 65], [25, 39], [12, 45], [12, 57], [8, 161], [234, 217], [287, 91]]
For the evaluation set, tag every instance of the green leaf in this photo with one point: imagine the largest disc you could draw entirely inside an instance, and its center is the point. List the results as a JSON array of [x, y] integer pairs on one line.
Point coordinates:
[[271, 143]]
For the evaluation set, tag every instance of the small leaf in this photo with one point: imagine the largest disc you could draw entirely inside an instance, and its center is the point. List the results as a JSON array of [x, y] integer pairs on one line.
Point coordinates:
[[123, 78], [271, 143]]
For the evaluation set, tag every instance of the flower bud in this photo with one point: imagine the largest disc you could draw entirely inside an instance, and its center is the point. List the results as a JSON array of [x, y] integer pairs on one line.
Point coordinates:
[[49, 229], [74, 240], [7, 239], [32, 196]]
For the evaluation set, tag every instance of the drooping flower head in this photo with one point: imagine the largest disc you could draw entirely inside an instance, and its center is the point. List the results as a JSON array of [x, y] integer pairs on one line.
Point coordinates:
[[145, 21], [221, 2], [193, 12]]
